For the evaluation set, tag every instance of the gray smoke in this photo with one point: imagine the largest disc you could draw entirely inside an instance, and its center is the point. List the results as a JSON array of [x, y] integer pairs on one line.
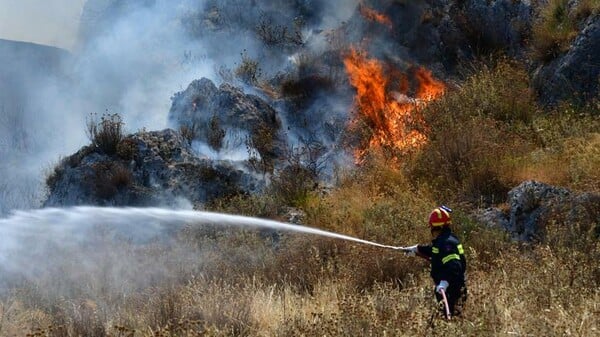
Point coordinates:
[[130, 59]]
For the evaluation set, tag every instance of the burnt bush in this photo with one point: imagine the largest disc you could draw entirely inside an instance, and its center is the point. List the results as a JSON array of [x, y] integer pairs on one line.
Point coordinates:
[[304, 90], [108, 178], [293, 184], [273, 34], [106, 133], [260, 145], [126, 149], [215, 133], [189, 132], [248, 71], [55, 176]]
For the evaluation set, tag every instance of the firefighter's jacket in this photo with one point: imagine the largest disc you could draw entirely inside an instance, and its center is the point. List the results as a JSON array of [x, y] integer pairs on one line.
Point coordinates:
[[447, 258]]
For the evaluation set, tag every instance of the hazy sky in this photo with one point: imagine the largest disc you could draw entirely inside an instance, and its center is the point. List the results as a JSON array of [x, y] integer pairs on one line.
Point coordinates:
[[49, 22]]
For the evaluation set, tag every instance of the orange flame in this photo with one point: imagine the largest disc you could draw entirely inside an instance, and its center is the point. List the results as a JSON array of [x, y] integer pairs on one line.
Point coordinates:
[[381, 99], [373, 15]]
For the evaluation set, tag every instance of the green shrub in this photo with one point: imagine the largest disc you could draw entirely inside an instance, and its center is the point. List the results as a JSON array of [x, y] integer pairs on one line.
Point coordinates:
[[472, 133], [566, 152], [558, 25]]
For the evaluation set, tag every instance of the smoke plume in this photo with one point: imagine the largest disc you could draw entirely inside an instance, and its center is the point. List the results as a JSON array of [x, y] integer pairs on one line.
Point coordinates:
[[130, 58]]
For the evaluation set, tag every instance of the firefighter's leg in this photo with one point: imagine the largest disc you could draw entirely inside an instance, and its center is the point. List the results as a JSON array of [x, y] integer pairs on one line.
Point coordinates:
[[440, 303], [457, 295]]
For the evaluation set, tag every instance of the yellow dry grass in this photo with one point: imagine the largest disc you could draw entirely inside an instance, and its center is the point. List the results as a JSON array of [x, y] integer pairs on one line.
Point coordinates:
[[241, 284]]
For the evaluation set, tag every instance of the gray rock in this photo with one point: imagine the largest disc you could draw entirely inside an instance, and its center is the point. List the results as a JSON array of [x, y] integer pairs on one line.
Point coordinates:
[[498, 25], [150, 169], [531, 205], [492, 216], [575, 74], [529, 202], [442, 33], [213, 112]]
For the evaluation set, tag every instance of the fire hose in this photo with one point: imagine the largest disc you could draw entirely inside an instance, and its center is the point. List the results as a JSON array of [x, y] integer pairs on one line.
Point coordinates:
[[445, 301], [442, 291]]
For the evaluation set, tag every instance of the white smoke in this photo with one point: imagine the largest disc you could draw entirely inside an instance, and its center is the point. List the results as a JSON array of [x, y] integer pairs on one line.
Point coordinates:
[[234, 147], [130, 59]]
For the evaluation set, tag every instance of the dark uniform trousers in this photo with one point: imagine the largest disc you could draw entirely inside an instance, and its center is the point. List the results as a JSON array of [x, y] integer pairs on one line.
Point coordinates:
[[448, 263]]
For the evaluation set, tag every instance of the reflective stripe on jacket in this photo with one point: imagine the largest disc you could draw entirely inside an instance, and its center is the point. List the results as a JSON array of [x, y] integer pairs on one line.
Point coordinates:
[[447, 257]]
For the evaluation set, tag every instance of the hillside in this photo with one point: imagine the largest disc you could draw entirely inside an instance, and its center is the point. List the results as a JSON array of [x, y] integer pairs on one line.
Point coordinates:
[[23, 66], [356, 119]]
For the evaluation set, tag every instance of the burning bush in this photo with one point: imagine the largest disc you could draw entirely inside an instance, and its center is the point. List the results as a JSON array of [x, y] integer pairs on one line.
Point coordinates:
[[387, 103], [495, 105]]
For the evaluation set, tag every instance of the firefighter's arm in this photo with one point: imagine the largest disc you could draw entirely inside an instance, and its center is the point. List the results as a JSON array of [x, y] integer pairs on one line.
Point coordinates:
[[419, 250], [442, 286]]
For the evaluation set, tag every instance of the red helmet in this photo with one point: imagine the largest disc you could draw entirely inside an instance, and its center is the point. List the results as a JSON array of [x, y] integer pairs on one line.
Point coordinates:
[[440, 217]]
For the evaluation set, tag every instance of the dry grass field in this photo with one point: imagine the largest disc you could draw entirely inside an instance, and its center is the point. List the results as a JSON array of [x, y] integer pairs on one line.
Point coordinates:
[[239, 282]]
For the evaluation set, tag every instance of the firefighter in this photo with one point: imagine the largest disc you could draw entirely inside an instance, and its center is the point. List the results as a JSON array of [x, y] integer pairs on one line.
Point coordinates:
[[448, 263]]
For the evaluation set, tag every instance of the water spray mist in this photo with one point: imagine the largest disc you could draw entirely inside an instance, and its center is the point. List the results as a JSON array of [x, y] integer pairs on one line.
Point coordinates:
[[139, 223]]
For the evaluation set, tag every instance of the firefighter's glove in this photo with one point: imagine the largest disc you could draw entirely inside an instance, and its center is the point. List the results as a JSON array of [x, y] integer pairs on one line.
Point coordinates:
[[410, 251], [443, 285]]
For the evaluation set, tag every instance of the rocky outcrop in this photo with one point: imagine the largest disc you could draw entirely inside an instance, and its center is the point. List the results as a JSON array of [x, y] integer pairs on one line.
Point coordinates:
[[149, 168], [165, 167], [213, 115], [440, 33], [495, 25], [575, 74], [532, 205]]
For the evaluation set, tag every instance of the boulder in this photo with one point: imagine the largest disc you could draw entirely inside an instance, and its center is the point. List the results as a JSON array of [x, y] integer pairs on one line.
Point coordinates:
[[213, 115], [530, 202], [576, 74], [532, 205], [155, 168], [441, 34]]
